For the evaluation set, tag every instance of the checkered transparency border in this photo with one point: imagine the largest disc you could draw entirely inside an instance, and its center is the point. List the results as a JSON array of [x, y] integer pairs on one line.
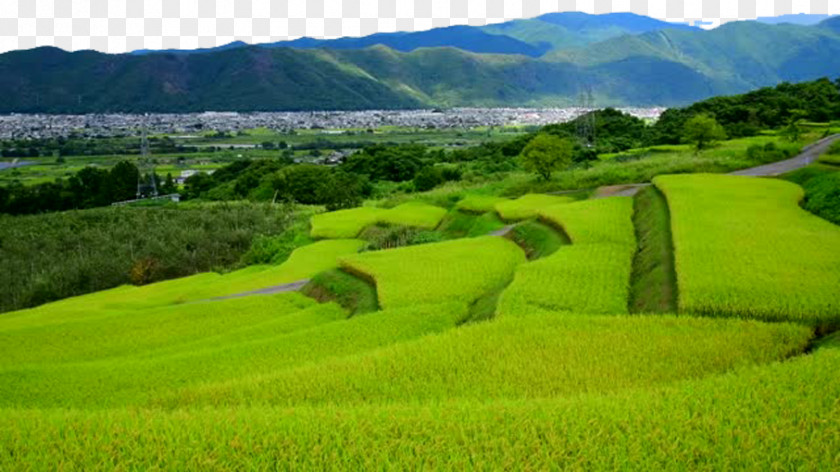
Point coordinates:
[[125, 25]]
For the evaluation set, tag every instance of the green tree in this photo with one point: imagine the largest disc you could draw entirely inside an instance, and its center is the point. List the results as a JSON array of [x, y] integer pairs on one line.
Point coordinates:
[[702, 130], [547, 153], [168, 186], [123, 181], [428, 178]]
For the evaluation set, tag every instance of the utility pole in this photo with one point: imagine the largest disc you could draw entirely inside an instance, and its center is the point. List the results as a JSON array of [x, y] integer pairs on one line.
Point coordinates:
[[586, 121], [146, 169]]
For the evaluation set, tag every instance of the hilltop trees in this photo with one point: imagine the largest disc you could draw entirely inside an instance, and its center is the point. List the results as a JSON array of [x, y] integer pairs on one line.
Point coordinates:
[[547, 153]]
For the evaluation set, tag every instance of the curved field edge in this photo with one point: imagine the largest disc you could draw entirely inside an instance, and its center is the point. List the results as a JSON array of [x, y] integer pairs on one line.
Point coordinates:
[[592, 275], [136, 379], [744, 248], [461, 270], [510, 358], [753, 418]]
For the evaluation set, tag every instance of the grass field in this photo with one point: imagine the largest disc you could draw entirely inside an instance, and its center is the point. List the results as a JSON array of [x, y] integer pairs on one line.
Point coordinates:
[[744, 247], [459, 270], [592, 275]]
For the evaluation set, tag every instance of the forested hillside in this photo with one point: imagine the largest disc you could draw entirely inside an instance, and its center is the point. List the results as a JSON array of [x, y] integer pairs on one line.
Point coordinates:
[[664, 67]]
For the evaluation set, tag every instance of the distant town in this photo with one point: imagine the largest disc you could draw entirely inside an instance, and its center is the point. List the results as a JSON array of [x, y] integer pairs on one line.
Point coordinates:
[[36, 126]]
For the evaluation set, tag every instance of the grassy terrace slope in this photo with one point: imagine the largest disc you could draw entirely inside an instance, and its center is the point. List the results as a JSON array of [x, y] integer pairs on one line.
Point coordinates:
[[515, 358], [753, 417], [137, 378], [591, 275], [743, 247], [460, 270]]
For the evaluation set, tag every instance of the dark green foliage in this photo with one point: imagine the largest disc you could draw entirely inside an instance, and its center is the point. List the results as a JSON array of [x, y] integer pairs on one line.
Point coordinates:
[[394, 163], [197, 185], [768, 153], [54, 256], [88, 188], [385, 236], [430, 177], [343, 190], [822, 196], [537, 239], [276, 248], [613, 130], [354, 294], [746, 114], [313, 184]]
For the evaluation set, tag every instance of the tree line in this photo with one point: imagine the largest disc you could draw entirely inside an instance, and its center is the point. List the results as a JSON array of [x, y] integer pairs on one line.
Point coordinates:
[[90, 187]]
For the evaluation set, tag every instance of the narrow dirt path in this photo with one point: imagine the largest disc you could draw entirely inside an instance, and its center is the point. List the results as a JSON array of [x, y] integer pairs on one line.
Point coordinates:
[[502, 232]]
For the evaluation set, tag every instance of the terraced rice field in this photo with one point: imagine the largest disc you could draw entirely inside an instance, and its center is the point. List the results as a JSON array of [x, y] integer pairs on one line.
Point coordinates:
[[169, 377], [479, 203], [517, 359], [744, 248], [592, 275], [527, 206], [460, 270], [349, 223]]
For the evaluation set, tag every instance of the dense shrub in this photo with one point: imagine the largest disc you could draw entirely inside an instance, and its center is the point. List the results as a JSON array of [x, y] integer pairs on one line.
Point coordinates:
[[822, 196]]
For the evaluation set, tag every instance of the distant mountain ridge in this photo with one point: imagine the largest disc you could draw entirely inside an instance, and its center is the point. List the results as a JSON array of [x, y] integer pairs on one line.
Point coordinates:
[[652, 67], [529, 37]]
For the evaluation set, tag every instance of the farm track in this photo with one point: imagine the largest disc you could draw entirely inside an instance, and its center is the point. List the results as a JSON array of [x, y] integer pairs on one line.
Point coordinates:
[[284, 288], [808, 156]]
